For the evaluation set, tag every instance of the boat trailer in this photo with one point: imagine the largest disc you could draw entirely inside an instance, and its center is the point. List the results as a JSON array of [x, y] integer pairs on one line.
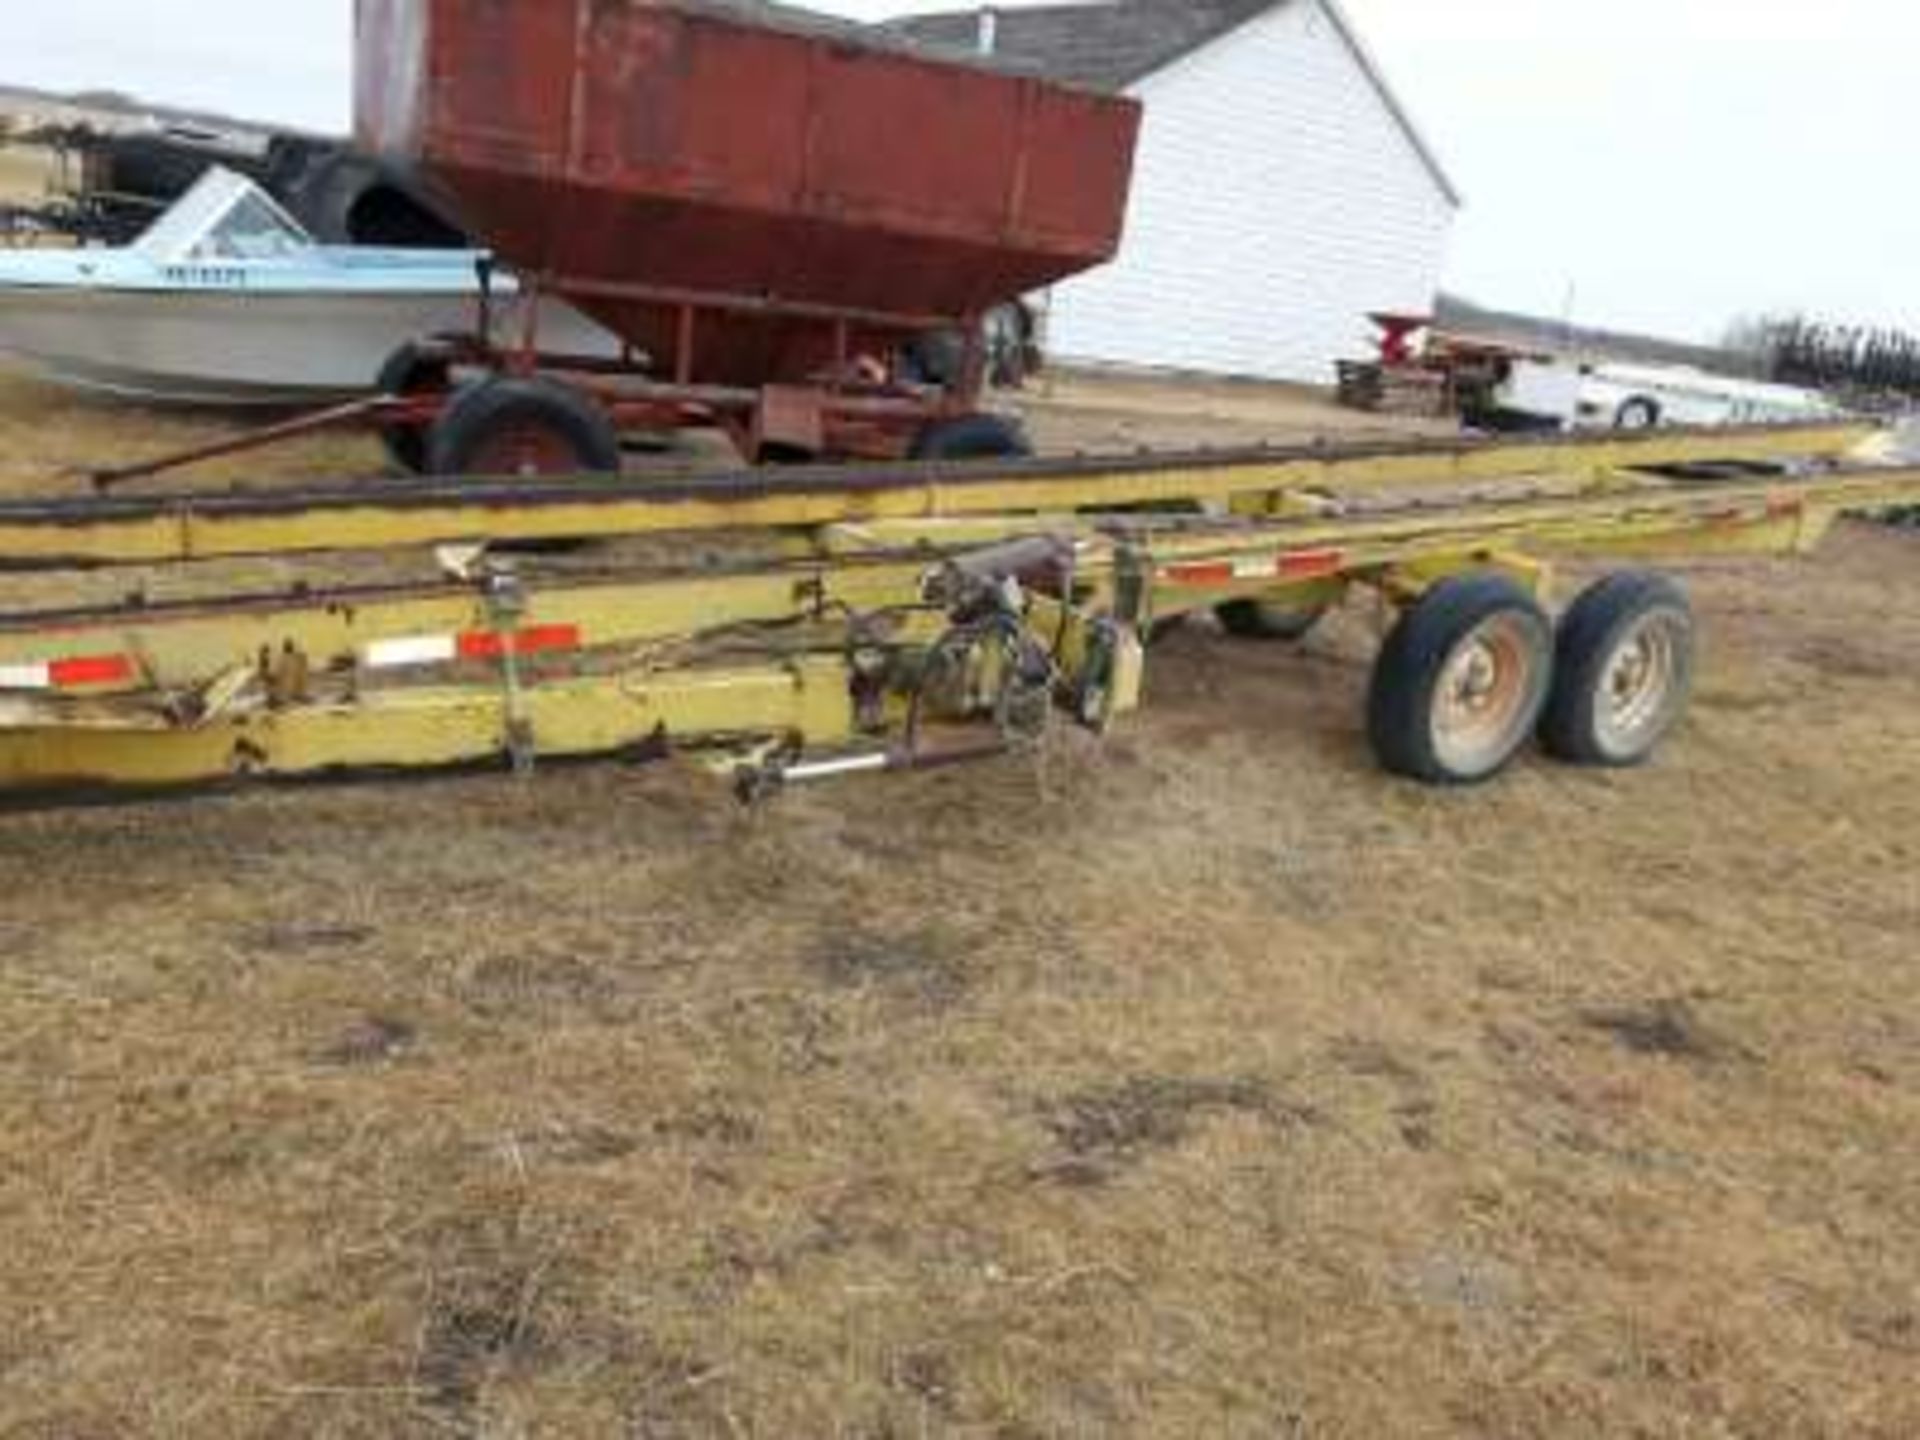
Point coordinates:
[[795, 624]]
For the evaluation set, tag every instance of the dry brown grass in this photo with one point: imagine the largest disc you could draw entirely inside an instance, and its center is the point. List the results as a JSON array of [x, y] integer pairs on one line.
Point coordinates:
[[48, 434], [23, 174], [1073, 410], [1202, 1082]]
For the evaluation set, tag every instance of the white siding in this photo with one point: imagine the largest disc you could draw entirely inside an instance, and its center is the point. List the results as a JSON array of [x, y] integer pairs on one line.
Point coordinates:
[[1277, 200]]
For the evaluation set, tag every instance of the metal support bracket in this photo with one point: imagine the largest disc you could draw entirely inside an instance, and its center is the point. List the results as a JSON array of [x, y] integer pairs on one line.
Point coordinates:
[[506, 604]]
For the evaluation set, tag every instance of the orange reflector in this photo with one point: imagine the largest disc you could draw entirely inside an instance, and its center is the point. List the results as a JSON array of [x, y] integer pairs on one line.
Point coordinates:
[[1312, 564], [540, 639], [1299, 565], [1211, 572], [85, 670]]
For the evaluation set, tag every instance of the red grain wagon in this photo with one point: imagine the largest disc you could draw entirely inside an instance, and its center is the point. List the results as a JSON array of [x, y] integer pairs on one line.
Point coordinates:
[[780, 215]]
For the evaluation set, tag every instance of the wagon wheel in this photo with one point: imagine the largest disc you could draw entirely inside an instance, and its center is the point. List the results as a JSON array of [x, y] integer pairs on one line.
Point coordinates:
[[1461, 682], [514, 427], [971, 437], [1624, 673], [415, 369]]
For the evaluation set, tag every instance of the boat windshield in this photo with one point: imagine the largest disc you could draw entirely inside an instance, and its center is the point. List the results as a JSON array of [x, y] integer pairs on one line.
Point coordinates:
[[252, 230], [224, 217]]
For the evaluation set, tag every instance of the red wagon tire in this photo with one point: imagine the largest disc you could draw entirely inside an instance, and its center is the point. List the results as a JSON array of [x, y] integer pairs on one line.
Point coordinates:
[[514, 427]]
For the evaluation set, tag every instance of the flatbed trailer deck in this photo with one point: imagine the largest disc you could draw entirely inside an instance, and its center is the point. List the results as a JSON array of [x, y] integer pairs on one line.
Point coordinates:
[[161, 528], [894, 618]]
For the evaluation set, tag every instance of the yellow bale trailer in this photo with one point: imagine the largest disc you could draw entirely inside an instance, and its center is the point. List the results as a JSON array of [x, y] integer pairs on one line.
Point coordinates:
[[815, 622]]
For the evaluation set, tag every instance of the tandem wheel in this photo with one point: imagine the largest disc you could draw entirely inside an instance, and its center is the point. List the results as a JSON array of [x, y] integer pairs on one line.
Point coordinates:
[[1475, 669], [1624, 672], [1462, 681]]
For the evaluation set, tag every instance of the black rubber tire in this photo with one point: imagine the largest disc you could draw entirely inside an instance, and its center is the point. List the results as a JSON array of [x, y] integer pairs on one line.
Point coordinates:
[[1639, 413], [971, 437], [1402, 703], [1264, 620], [1007, 337], [1592, 633], [1013, 352], [416, 368], [776, 453], [480, 411]]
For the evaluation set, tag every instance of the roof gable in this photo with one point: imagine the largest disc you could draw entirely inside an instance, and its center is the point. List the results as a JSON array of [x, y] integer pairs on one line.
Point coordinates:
[[1113, 44], [1105, 45]]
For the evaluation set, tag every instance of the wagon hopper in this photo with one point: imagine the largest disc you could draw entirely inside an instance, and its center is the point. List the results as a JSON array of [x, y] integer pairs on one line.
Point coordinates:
[[781, 215]]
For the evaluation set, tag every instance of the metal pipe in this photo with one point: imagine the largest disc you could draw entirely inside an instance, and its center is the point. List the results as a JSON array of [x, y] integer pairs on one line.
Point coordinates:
[[878, 762], [107, 477], [769, 305]]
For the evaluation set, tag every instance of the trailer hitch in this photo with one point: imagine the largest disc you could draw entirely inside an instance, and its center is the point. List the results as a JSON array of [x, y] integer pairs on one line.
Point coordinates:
[[754, 784]]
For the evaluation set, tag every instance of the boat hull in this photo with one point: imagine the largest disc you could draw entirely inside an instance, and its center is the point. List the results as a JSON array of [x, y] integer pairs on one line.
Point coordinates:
[[207, 348]]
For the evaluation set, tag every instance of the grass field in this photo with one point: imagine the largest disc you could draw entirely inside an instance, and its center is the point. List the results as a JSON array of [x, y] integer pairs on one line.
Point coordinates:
[[23, 174], [1201, 1082]]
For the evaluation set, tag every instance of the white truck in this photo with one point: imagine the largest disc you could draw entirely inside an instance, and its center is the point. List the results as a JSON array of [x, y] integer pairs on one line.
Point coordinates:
[[1570, 395]]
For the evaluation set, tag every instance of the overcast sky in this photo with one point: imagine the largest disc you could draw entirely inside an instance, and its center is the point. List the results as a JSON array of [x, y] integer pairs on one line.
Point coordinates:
[[1662, 164]]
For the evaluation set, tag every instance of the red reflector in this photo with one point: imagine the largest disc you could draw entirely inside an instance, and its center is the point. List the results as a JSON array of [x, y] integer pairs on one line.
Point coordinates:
[[1312, 564], [1218, 572], [540, 639], [85, 670]]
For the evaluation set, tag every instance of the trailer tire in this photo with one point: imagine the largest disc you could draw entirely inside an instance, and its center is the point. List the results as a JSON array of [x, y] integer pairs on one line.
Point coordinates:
[[1461, 682], [1266, 620], [416, 368], [1639, 413], [971, 437], [510, 426], [1623, 673]]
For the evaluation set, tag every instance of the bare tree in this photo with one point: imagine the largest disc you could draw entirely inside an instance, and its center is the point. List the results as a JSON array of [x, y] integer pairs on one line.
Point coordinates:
[[1749, 339]]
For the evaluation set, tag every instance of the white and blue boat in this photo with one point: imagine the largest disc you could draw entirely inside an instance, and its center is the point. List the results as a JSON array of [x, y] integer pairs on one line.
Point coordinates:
[[227, 300]]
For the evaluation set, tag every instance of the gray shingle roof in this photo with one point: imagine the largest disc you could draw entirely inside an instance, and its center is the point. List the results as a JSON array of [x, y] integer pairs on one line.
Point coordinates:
[[1111, 44], [1107, 46]]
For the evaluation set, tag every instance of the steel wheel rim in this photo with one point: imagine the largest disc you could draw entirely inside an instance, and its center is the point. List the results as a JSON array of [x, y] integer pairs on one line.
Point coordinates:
[[525, 448], [1639, 684], [1484, 703]]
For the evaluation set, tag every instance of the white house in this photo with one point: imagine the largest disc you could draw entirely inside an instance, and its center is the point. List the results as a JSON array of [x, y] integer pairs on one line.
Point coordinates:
[[1282, 192]]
